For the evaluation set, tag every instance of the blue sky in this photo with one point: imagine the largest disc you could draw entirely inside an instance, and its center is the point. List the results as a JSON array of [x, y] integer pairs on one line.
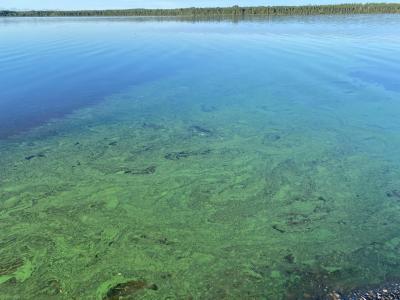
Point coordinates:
[[101, 4]]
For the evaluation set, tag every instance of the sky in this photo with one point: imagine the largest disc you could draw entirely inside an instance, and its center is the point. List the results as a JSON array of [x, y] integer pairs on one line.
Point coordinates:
[[104, 4]]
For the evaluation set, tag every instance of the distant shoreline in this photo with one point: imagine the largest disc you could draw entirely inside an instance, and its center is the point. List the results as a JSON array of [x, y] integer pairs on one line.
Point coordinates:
[[234, 11]]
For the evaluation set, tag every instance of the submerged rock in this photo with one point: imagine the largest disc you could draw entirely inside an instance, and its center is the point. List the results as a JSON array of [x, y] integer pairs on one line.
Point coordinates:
[[393, 194], [145, 171], [185, 154], [177, 155], [147, 125], [271, 137], [278, 229], [8, 267], [386, 292], [127, 289], [289, 258], [199, 130], [34, 155], [52, 288], [208, 108]]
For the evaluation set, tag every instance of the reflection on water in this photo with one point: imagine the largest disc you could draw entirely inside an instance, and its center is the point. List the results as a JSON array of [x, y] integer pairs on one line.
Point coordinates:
[[203, 159]]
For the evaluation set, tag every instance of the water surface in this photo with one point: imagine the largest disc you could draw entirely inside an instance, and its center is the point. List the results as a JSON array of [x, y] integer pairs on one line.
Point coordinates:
[[178, 159]]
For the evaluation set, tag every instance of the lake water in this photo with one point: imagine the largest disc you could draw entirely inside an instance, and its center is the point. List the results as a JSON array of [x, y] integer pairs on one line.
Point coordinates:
[[178, 159]]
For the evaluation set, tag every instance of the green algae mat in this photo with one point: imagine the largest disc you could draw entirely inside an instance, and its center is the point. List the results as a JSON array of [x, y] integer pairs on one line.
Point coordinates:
[[224, 181]]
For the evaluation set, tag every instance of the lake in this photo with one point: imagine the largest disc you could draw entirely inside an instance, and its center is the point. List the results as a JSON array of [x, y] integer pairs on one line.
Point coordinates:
[[162, 158]]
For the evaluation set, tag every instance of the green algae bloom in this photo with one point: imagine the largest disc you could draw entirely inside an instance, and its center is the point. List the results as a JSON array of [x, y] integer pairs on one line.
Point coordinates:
[[239, 177]]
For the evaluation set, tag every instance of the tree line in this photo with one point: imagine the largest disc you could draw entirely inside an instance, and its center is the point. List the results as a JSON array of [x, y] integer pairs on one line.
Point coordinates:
[[369, 8]]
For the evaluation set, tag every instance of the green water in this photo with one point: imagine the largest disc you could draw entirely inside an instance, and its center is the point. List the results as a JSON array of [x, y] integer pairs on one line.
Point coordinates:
[[268, 169]]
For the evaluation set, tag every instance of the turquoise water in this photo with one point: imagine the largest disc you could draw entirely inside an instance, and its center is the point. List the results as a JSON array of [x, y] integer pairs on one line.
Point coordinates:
[[209, 159]]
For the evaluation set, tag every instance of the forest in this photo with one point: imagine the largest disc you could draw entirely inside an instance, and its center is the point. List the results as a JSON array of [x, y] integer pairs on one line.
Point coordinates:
[[369, 8]]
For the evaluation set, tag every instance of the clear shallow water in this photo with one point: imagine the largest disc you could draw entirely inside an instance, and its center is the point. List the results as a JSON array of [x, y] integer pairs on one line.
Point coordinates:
[[198, 160]]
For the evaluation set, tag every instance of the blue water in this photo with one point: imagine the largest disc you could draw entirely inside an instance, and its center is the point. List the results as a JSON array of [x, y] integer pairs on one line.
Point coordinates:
[[50, 67], [206, 159]]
